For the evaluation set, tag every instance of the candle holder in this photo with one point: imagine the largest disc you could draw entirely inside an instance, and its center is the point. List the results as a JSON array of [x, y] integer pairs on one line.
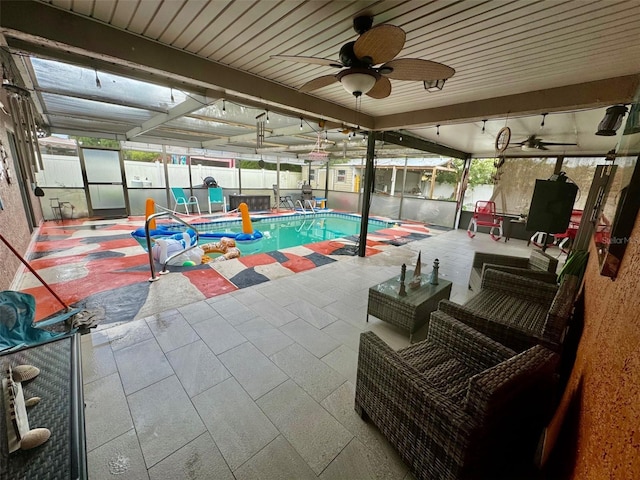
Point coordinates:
[[403, 271]]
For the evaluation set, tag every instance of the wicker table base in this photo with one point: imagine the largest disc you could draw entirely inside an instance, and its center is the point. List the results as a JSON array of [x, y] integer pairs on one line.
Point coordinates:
[[410, 312]]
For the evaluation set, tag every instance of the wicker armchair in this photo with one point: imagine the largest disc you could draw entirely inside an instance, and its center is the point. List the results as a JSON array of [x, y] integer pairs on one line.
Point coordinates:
[[457, 405], [538, 266], [518, 312]]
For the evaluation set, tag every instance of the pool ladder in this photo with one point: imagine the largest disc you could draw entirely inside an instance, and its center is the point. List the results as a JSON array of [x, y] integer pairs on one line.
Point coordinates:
[[165, 213], [304, 210]]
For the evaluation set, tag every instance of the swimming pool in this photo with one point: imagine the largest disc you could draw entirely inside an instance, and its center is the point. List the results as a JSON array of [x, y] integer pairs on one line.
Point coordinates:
[[290, 231]]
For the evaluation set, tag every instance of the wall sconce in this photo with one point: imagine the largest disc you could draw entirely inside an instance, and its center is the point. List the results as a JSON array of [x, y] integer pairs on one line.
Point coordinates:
[[434, 85], [611, 121]]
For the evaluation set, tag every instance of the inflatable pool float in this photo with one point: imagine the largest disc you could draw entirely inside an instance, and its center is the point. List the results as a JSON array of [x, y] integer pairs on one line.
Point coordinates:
[[226, 247]]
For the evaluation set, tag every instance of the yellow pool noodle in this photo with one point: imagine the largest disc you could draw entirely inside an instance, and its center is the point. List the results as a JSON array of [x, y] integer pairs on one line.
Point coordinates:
[[247, 227]]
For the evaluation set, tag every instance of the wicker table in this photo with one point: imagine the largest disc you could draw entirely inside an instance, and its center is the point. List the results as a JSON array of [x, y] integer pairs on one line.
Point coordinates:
[[410, 312]]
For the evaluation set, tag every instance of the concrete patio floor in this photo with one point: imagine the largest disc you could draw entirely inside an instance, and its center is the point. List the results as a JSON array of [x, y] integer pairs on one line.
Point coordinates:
[[257, 383]]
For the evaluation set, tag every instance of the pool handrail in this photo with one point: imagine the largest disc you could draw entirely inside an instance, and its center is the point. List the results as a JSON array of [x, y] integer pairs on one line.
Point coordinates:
[[313, 210], [164, 213]]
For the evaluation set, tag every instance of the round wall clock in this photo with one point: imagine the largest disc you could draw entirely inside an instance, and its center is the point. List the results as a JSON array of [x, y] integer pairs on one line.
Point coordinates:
[[502, 139]]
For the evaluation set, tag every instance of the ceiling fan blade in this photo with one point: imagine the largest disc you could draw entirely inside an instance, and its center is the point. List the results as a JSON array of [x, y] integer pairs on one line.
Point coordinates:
[[417, 69], [541, 147], [317, 83], [554, 143], [382, 88], [382, 43], [530, 141], [313, 60]]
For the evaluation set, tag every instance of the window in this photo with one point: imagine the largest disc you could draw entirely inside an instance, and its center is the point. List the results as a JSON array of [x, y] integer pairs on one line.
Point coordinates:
[[312, 175], [341, 176]]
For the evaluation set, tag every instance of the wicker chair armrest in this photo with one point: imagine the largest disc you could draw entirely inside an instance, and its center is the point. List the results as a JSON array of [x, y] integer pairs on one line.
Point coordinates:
[[525, 288], [465, 343], [539, 260], [489, 391], [540, 275], [560, 312], [480, 258], [503, 333]]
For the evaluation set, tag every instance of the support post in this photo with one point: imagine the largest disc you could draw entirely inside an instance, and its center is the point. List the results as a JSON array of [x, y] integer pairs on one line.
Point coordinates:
[[326, 184], [368, 189]]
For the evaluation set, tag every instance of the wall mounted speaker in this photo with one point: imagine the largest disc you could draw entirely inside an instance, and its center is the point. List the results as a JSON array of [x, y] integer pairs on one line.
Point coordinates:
[[551, 206]]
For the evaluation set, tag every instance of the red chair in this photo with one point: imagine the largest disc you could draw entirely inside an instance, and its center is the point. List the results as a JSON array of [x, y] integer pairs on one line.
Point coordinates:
[[484, 215]]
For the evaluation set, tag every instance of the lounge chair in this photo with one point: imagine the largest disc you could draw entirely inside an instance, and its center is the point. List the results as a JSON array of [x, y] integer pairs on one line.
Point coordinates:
[[181, 199], [282, 200], [457, 405], [216, 197]]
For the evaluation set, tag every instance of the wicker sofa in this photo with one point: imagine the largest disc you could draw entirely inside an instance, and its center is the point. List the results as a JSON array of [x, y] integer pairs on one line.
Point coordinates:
[[518, 312], [539, 266], [457, 405]]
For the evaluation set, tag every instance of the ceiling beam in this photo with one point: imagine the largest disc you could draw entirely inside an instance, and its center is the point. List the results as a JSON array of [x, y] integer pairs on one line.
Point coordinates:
[[191, 104], [61, 31], [580, 96], [409, 141], [276, 132]]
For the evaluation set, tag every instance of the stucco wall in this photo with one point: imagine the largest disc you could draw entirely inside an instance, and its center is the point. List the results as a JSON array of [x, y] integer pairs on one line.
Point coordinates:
[[608, 368], [13, 220]]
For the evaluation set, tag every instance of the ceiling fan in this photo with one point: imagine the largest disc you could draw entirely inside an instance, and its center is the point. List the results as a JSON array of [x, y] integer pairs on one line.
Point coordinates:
[[368, 63], [533, 142]]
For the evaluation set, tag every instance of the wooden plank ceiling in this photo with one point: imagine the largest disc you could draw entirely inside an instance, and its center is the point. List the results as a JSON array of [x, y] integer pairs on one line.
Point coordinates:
[[504, 48]]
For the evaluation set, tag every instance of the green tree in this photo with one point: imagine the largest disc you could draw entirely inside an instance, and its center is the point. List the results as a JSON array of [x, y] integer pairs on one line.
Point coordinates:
[[480, 172], [138, 156], [255, 165], [96, 142]]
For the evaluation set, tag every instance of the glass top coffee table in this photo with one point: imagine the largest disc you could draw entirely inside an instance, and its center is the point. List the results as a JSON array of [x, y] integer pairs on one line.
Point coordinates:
[[410, 312]]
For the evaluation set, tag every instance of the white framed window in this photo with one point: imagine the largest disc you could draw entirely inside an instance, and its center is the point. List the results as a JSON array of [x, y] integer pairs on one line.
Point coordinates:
[[341, 176], [312, 175]]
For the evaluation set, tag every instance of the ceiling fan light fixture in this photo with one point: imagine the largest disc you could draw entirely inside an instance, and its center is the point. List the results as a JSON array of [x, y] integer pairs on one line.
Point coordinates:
[[357, 81], [434, 85], [611, 121]]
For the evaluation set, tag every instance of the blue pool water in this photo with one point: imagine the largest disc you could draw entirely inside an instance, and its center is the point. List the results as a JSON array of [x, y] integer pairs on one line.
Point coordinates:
[[290, 231]]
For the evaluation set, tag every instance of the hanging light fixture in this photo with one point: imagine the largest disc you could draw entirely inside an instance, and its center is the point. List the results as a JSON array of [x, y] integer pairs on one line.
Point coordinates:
[[98, 84], [484, 123], [358, 81], [544, 115], [611, 121], [434, 85], [267, 116], [438, 130], [172, 99], [300, 123], [224, 107]]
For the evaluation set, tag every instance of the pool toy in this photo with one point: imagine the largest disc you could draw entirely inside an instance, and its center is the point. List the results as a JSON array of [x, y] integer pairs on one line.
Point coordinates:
[[226, 247], [163, 248], [248, 235], [150, 209]]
